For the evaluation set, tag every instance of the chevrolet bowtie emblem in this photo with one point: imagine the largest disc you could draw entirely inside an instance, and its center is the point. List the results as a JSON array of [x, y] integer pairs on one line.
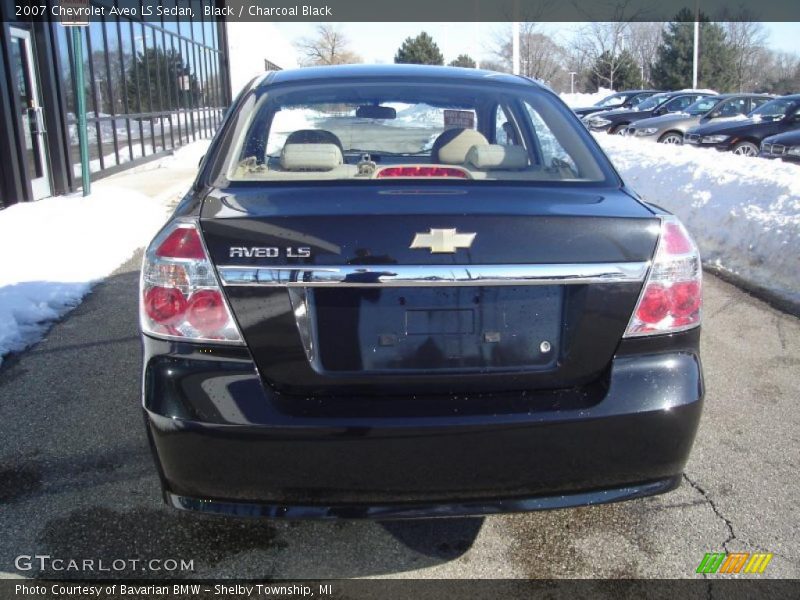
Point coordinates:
[[443, 240]]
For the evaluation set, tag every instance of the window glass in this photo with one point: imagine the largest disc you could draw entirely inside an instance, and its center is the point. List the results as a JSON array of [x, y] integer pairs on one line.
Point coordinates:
[[756, 102], [733, 107], [639, 98], [775, 109], [679, 103], [651, 102], [701, 106], [504, 132], [613, 100], [170, 22], [553, 153], [358, 132]]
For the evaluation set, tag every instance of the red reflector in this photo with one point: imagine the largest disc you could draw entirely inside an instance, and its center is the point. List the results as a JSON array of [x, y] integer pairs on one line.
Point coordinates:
[[206, 311], [675, 241], [184, 242], [421, 172], [164, 305], [654, 305]]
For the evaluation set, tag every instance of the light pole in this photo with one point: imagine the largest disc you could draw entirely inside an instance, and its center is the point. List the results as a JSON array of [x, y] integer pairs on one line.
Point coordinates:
[[572, 82], [641, 70], [696, 49]]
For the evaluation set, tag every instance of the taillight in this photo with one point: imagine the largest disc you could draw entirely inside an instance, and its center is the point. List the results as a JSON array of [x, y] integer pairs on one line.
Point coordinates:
[[671, 299], [421, 171], [180, 295]]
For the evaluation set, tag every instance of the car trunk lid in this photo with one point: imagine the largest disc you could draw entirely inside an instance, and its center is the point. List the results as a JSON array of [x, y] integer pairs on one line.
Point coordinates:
[[338, 290]]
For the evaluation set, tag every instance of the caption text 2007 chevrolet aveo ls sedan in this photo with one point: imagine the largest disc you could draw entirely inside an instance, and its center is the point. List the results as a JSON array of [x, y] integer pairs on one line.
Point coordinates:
[[415, 291]]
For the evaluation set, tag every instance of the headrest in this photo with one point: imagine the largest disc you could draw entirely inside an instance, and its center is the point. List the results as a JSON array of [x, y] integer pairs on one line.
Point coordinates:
[[451, 147], [314, 136], [495, 156], [311, 157]]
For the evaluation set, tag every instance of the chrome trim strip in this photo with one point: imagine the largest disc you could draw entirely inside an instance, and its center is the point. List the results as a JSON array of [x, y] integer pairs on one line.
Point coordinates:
[[434, 275]]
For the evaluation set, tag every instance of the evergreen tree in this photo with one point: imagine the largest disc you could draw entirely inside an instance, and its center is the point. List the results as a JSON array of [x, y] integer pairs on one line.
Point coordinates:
[[161, 81], [673, 67], [421, 50], [626, 75], [463, 60]]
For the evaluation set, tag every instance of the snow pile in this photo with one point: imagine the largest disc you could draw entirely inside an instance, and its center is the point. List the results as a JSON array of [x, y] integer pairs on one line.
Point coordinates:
[[419, 115], [186, 157], [743, 212], [583, 100], [287, 121], [57, 248]]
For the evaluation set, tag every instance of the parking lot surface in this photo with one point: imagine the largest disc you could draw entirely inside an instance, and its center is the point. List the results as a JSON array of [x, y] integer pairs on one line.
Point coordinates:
[[77, 479]]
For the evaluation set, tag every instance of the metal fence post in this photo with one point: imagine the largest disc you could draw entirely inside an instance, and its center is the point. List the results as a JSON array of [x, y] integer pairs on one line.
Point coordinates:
[[80, 104]]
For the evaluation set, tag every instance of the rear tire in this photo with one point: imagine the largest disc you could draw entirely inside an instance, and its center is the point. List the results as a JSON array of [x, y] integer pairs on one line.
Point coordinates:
[[619, 129], [745, 149], [672, 137]]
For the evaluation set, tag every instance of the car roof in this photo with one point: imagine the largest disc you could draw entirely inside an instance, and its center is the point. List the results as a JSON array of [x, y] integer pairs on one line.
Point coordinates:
[[401, 72], [743, 95]]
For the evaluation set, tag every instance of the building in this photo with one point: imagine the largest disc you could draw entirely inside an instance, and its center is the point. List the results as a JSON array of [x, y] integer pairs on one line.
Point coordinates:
[[150, 86]]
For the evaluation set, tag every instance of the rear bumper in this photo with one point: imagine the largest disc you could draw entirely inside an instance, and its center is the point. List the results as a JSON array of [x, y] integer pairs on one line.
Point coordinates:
[[224, 443], [422, 510]]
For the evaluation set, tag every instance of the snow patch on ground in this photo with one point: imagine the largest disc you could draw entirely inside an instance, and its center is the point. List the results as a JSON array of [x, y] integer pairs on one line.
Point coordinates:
[[744, 212], [56, 249], [583, 100]]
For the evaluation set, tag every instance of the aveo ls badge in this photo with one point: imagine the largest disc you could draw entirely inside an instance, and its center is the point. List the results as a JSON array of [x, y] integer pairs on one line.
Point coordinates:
[[268, 252]]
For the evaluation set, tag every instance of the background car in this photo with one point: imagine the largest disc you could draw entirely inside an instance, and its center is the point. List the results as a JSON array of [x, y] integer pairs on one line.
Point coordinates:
[[626, 99], [670, 128], [744, 137], [616, 121], [785, 146]]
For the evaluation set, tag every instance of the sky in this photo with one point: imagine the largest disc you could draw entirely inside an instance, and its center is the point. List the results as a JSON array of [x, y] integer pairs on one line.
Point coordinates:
[[378, 42]]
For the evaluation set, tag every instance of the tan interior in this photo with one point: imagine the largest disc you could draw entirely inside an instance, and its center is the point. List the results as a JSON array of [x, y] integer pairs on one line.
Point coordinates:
[[304, 159]]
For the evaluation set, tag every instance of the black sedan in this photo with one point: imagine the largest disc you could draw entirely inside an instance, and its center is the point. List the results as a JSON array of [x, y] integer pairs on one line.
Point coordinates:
[[625, 99], [616, 121], [409, 291], [744, 137], [785, 146]]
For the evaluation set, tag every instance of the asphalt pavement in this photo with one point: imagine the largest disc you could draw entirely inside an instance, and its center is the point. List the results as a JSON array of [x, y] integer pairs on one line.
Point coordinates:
[[77, 479]]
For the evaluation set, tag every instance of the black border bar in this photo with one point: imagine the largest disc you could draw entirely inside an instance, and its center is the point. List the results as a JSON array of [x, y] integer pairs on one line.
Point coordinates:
[[425, 10]]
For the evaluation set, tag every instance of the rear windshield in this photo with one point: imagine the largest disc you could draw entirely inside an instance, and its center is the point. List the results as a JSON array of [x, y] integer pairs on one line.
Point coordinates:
[[371, 131]]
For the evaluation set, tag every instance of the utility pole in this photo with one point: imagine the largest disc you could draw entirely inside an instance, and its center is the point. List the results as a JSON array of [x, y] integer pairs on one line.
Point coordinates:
[[80, 108], [696, 51]]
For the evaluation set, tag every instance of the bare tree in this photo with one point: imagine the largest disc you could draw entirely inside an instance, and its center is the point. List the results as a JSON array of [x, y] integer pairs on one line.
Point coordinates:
[[601, 46], [779, 73], [748, 40], [540, 56], [644, 38], [330, 46]]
